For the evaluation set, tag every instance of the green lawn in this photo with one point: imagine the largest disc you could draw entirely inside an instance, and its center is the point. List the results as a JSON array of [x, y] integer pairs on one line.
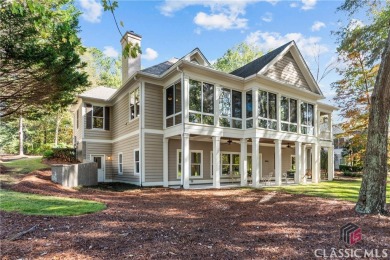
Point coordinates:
[[32, 204], [339, 189], [25, 165]]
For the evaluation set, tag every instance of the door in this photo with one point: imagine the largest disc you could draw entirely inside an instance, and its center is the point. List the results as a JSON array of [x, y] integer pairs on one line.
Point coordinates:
[[99, 159]]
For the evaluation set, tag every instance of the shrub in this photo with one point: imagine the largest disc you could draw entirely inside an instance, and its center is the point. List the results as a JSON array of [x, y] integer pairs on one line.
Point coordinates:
[[352, 174], [347, 168], [67, 154], [48, 154]]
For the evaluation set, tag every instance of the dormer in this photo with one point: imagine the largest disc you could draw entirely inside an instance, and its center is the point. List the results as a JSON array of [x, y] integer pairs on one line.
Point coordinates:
[[197, 57]]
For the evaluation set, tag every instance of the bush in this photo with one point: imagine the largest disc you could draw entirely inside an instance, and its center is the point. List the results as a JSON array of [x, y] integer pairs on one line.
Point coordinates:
[[66, 154], [352, 174], [48, 154], [347, 168]]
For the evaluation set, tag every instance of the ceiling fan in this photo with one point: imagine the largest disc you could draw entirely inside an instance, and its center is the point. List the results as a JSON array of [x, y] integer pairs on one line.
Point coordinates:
[[287, 146]]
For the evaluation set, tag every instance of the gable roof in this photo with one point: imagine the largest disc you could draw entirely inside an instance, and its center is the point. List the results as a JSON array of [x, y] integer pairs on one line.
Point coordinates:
[[160, 68], [258, 64], [101, 92]]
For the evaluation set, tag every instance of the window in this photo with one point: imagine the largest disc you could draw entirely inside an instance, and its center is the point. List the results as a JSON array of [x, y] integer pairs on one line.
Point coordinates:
[[230, 108], [267, 110], [249, 110], [97, 117], [201, 103], [120, 163], [307, 118], [134, 104], [230, 164], [77, 118], [173, 105], [288, 114], [136, 162], [196, 162], [293, 165]]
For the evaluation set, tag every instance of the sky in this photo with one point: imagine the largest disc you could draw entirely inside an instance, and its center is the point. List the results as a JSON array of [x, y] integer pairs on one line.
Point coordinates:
[[173, 28]]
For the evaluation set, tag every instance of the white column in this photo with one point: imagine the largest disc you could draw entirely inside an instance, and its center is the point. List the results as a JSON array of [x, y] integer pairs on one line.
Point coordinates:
[[278, 162], [255, 162], [255, 107], [330, 163], [216, 104], [315, 169], [186, 101], [330, 128], [298, 162], [186, 164], [299, 116], [216, 161], [243, 162], [278, 98], [243, 109], [165, 162], [316, 114], [303, 177]]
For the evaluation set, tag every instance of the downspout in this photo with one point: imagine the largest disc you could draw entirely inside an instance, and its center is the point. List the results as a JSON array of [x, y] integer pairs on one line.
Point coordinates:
[[182, 122]]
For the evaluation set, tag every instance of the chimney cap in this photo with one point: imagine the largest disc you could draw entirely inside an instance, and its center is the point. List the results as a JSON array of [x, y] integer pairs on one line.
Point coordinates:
[[132, 33]]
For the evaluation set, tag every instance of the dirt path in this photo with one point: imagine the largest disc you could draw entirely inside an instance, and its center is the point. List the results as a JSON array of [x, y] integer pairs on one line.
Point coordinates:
[[196, 224]]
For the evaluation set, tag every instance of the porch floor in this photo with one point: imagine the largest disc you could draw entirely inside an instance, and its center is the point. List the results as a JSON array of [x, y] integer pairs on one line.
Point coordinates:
[[289, 182]]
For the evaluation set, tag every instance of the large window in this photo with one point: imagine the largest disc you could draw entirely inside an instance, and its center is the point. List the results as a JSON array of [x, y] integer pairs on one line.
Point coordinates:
[[136, 162], [196, 162], [201, 103], [288, 114], [230, 163], [120, 163], [134, 104], [267, 110], [249, 109], [230, 108], [173, 105], [307, 118], [98, 117]]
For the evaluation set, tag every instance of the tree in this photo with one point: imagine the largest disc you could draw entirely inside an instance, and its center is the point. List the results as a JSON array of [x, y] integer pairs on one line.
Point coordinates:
[[372, 195], [102, 70], [237, 57], [39, 55]]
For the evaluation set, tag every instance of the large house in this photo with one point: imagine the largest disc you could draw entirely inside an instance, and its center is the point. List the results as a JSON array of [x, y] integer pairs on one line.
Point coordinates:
[[182, 122]]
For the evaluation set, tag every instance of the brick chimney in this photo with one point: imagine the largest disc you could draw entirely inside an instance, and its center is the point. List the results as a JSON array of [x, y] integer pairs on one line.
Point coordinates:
[[130, 65]]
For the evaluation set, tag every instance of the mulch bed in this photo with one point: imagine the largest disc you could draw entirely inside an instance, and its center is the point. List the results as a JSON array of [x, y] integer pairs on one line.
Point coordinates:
[[163, 223]]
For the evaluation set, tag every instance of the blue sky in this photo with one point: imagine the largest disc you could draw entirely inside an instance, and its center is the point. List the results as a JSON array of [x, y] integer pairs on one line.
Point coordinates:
[[173, 28]]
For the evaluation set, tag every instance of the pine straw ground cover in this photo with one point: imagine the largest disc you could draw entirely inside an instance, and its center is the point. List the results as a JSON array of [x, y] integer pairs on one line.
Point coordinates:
[[163, 223]]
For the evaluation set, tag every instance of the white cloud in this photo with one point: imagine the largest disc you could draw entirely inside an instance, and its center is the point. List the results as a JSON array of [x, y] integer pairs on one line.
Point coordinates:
[[308, 4], [223, 15], [266, 41], [267, 17], [219, 21], [355, 23], [109, 51], [293, 4], [150, 54], [92, 10], [317, 26], [198, 31]]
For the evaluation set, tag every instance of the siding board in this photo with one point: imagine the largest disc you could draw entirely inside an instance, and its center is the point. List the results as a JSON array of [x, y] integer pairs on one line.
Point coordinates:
[[126, 147], [153, 157], [153, 106]]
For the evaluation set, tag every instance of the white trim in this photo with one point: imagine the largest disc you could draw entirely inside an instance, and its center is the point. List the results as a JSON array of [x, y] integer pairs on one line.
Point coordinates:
[[103, 163], [230, 163], [83, 123], [177, 164], [120, 163], [142, 135], [135, 162], [153, 131], [136, 132], [137, 113], [165, 161]]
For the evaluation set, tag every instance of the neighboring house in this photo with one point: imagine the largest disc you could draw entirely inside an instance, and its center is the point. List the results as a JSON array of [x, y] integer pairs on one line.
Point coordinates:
[[172, 123]]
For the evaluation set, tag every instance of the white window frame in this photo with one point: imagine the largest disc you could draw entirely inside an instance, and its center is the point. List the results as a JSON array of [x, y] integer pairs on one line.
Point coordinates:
[[230, 164], [104, 121], [201, 113], [230, 118], [135, 162], [178, 151], [310, 128], [267, 118], [120, 164], [245, 106], [173, 116], [291, 164], [289, 123], [136, 111]]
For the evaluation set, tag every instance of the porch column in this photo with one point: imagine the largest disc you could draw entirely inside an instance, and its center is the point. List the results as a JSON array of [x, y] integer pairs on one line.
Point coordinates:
[[330, 163], [255, 162], [216, 161], [186, 165], [278, 162], [303, 177], [316, 114], [243, 162], [165, 162], [298, 162], [315, 171]]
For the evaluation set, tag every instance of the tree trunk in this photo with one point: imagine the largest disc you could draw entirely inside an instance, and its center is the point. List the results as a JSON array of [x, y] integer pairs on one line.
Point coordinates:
[[372, 196], [58, 121], [21, 136]]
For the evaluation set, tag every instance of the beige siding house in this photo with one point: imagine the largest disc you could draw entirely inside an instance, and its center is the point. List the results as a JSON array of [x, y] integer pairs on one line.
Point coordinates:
[[182, 123]]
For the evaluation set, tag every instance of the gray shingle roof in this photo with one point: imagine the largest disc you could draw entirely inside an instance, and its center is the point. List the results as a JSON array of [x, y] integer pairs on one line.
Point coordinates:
[[100, 92], [159, 69], [256, 65]]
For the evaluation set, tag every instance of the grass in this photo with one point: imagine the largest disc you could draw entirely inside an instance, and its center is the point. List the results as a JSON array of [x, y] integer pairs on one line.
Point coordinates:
[[339, 189], [25, 165], [32, 204]]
